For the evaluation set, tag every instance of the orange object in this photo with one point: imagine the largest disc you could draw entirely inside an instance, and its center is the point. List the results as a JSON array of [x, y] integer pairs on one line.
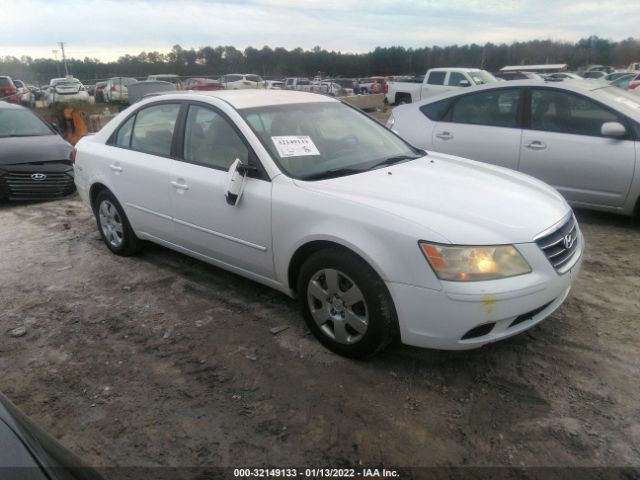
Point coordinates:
[[76, 121]]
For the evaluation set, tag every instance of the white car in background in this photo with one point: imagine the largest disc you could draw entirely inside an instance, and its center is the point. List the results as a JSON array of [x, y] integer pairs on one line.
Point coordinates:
[[313, 198], [65, 90], [241, 81], [274, 84], [27, 98], [580, 137], [117, 89]]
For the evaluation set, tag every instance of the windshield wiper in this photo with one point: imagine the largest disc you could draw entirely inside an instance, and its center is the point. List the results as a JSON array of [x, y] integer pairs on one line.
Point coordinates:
[[336, 172], [395, 159]]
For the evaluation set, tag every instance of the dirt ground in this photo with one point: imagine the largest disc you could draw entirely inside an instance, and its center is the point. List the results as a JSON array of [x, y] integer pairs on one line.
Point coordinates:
[[161, 360]]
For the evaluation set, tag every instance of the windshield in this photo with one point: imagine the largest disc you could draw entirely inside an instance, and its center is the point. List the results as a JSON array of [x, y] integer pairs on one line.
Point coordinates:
[[21, 123], [619, 97], [315, 140], [482, 77]]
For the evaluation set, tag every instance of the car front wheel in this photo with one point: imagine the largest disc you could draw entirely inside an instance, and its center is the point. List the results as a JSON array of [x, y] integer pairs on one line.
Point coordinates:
[[346, 304], [114, 226]]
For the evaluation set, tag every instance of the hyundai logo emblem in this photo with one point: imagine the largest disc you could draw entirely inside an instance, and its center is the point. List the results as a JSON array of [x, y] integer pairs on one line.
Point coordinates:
[[568, 241], [38, 177]]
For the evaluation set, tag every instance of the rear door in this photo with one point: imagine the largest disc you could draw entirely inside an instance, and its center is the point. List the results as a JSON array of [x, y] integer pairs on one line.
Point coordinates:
[[483, 126], [562, 145], [434, 84], [240, 235], [139, 160]]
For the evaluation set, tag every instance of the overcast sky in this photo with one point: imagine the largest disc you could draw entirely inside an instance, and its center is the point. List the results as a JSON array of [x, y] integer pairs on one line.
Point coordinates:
[[107, 29]]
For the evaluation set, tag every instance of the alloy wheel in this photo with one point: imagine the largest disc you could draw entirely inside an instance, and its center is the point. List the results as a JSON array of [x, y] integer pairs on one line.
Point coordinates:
[[337, 306], [111, 223]]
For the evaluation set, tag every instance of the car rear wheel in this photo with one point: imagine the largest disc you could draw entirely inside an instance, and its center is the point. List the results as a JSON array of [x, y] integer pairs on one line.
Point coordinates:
[[346, 304], [114, 227]]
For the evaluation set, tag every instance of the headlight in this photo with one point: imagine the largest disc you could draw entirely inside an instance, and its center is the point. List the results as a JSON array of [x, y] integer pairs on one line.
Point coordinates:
[[464, 264], [390, 122]]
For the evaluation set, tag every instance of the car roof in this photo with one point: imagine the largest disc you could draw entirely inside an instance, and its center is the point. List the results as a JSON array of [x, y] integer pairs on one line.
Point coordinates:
[[578, 86], [455, 69], [11, 106], [250, 98], [568, 84]]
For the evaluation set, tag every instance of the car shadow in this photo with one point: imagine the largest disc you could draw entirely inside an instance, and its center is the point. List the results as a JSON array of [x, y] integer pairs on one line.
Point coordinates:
[[593, 217], [207, 278]]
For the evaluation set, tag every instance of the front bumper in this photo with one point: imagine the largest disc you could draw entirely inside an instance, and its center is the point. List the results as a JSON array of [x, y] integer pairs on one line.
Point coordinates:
[[465, 315], [16, 181]]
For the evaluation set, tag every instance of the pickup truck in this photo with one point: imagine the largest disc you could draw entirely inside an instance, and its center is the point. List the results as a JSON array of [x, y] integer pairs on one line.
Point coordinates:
[[437, 80]]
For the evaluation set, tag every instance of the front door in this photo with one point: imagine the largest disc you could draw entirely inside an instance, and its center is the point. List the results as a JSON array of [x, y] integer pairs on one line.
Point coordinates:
[[237, 236], [563, 147]]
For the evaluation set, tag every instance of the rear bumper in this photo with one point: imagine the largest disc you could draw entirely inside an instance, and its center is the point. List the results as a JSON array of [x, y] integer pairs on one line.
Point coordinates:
[[468, 315], [17, 183]]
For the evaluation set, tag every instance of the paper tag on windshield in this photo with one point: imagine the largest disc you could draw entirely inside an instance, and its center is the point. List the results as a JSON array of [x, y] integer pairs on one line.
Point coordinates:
[[295, 146]]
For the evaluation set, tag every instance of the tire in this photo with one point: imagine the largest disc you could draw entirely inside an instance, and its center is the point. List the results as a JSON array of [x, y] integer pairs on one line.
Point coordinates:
[[114, 227], [404, 100], [354, 323]]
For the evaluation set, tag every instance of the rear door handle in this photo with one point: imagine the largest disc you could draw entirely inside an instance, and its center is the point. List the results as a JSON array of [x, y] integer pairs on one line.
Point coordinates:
[[535, 145], [180, 186], [444, 136], [115, 167]]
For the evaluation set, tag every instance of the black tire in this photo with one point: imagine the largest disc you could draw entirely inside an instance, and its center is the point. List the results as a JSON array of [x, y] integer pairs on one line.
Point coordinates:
[[130, 244], [382, 324]]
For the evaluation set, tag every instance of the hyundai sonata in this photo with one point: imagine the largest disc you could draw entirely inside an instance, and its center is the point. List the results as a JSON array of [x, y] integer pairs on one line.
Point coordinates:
[[307, 195]]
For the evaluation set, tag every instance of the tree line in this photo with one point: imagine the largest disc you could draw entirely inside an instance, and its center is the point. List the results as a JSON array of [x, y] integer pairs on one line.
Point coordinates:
[[279, 62]]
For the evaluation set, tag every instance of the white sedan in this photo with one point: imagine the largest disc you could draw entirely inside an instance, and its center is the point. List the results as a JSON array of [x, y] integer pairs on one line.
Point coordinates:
[[241, 81], [580, 137], [307, 195], [65, 90]]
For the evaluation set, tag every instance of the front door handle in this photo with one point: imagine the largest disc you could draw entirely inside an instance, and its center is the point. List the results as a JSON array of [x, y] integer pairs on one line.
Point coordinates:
[[535, 145], [179, 186], [444, 136], [115, 167]]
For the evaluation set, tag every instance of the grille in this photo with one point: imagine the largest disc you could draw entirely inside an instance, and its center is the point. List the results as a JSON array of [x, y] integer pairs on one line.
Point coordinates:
[[560, 245], [529, 315], [20, 184]]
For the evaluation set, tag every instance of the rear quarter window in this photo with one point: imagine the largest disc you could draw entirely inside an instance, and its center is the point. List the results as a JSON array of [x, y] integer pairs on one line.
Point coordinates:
[[5, 82], [437, 110]]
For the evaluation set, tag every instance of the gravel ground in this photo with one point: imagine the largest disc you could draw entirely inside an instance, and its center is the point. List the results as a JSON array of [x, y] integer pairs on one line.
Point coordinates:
[[161, 360]]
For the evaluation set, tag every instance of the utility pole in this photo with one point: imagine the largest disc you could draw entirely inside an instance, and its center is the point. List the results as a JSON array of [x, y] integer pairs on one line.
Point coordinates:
[[55, 54], [64, 59]]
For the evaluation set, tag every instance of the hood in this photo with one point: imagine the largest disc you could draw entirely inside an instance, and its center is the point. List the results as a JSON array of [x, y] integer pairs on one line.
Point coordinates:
[[466, 202], [44, 148]]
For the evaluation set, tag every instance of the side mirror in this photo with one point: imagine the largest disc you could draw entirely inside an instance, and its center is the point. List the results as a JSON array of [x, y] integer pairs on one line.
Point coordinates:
[[236, 179], [464, 83], [613, 130]]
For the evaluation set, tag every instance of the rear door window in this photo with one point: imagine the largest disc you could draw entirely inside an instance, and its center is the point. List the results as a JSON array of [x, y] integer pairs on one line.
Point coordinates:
[[153, 129], [497, 108], [437, 110]]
